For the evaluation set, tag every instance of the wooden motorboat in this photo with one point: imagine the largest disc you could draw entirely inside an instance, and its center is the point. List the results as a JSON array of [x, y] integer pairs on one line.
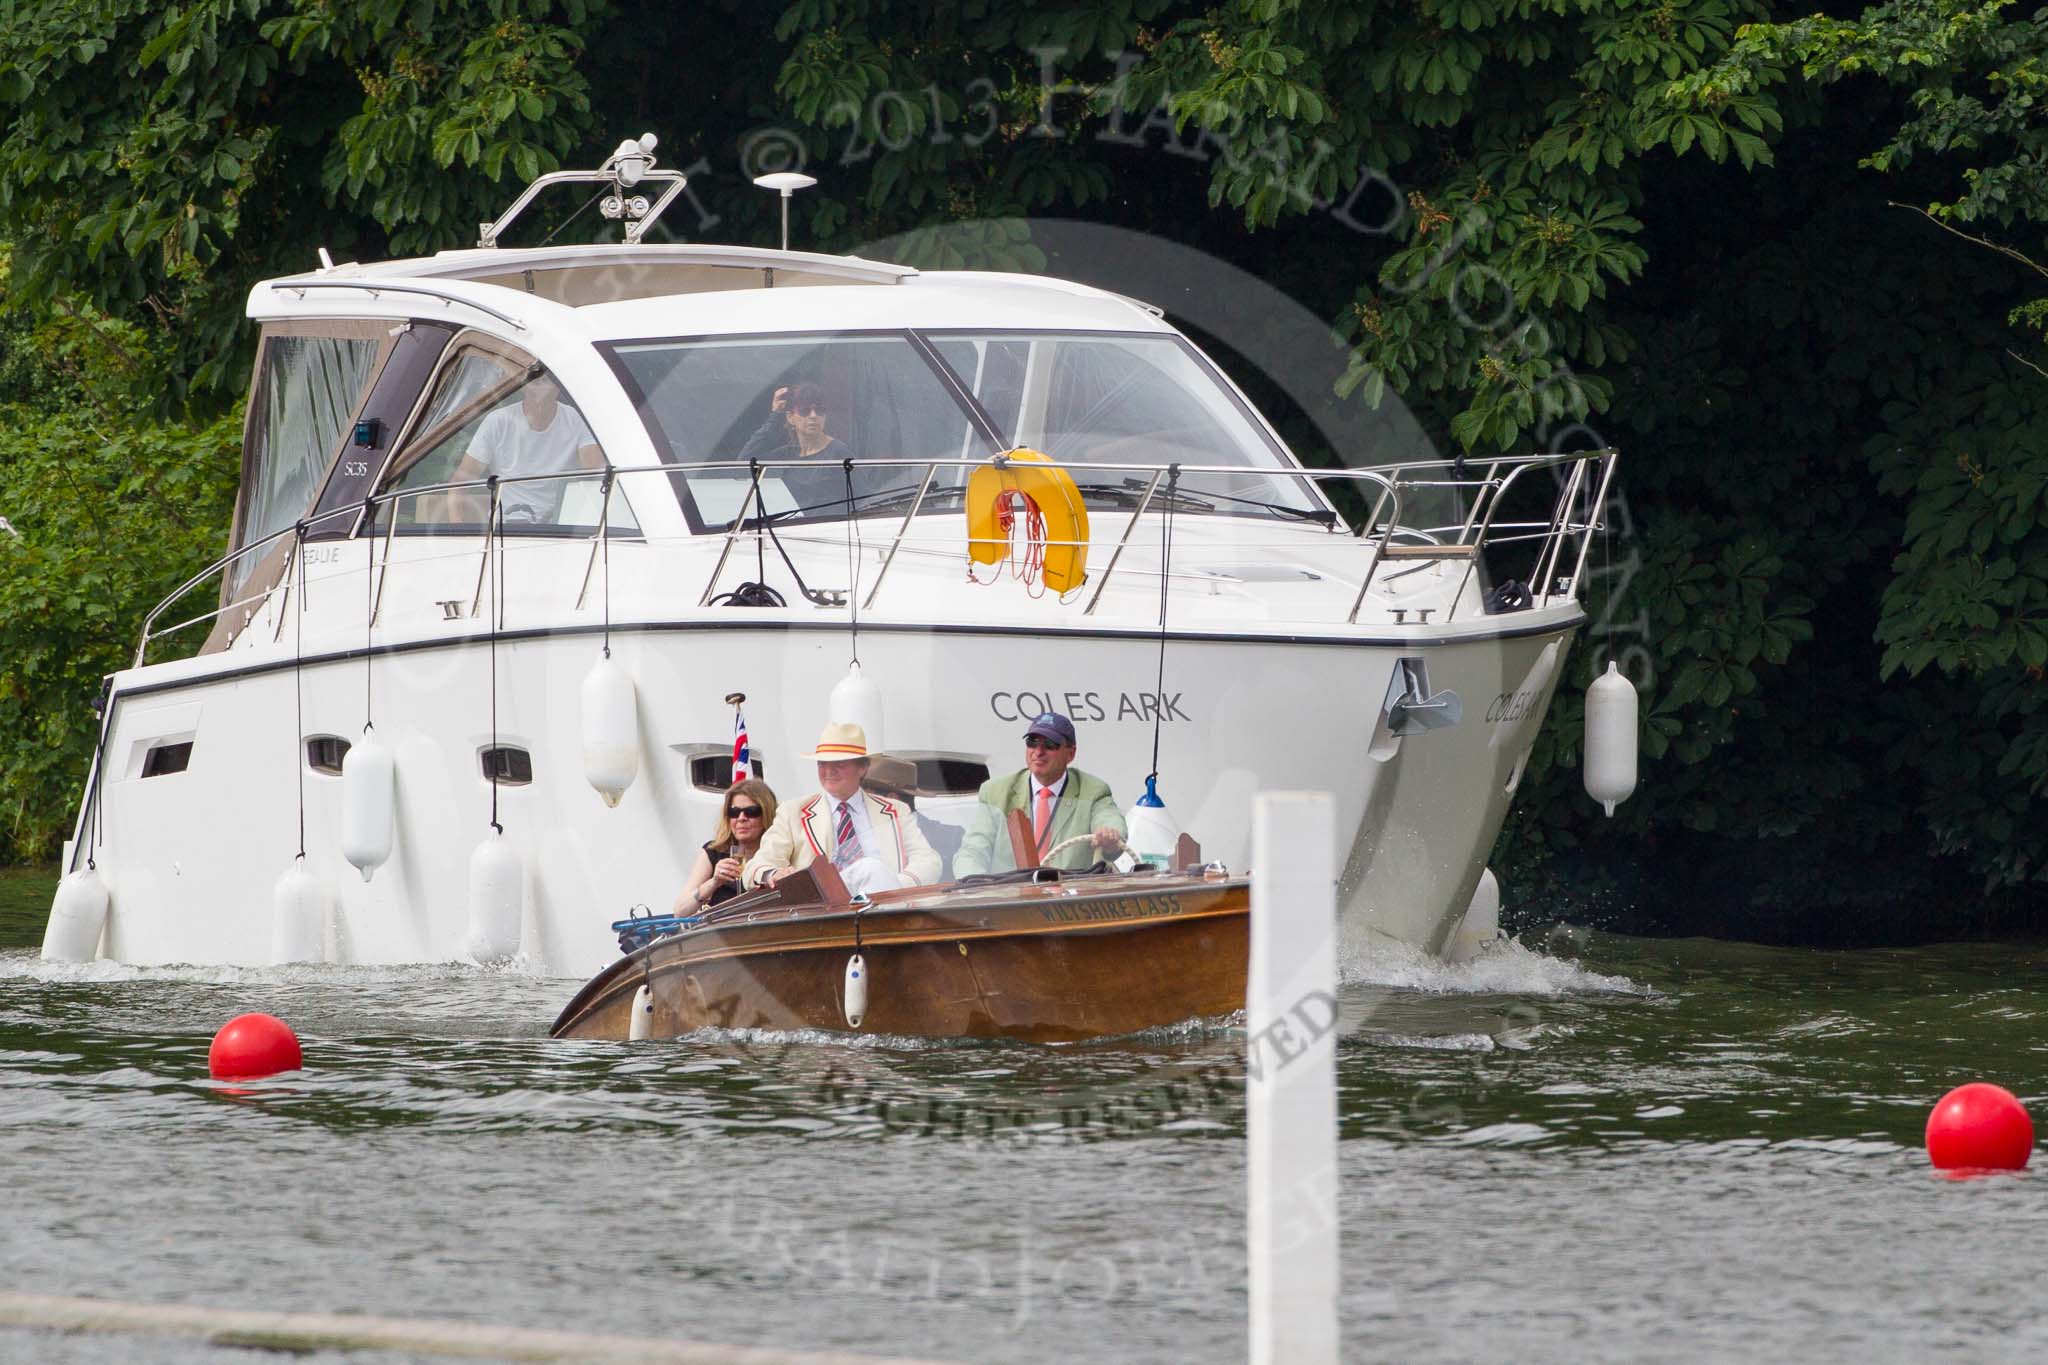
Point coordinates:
[[1039, 955]]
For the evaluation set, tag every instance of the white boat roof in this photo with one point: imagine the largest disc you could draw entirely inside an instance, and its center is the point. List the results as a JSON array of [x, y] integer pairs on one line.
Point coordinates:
[[620, 291]]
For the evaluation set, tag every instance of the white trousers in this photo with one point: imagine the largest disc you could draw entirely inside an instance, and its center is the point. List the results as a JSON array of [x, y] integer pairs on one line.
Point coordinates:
[[865, 876]]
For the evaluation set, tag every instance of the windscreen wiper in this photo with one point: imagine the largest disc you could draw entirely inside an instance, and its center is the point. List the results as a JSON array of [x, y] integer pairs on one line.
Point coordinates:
[[885, 500], [1135, 488], [1321, 516], [1131, 493], [890, 499]]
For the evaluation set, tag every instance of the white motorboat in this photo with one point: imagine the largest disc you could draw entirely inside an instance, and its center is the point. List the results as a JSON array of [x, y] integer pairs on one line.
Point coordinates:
[[1177, 583]]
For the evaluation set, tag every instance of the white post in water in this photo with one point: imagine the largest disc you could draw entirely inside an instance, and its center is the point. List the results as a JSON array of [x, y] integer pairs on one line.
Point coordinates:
[[1291, 1080]]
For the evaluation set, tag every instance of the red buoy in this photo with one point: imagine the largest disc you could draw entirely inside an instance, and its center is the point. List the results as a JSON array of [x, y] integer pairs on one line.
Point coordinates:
[[1979, 1127], [252, 1045]]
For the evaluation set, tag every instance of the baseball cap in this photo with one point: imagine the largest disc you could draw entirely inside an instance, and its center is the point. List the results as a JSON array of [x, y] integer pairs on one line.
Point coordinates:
[[1053, 726]]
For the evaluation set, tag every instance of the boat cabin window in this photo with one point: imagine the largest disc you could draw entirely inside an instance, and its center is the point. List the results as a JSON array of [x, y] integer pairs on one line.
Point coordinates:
[[713, 772], [1092, 398], [164, 759], [324, 754], [304, 398], [932, 774], [507, 766], [495, 411], [803, 406]]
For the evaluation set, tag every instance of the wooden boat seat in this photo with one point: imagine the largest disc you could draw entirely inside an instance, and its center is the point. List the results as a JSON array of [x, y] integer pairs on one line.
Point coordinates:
[[1023, 843]]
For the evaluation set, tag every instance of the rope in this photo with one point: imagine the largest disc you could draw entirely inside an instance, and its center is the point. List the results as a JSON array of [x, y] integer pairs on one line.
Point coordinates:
[[99, 776], [1606, 568], [604, 531], [1063, 845], [574, 216], [761, 515], [1031, 571], [369, 609], [852, 559], [1165, 566], [497, 531], [298, 678]]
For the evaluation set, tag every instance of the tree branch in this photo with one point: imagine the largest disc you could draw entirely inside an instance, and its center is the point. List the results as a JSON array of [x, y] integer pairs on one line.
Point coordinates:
[[2028, 363], [1985, 242]]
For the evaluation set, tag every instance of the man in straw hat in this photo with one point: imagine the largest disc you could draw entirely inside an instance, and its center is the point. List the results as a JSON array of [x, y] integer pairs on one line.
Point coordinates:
[[873, 841]]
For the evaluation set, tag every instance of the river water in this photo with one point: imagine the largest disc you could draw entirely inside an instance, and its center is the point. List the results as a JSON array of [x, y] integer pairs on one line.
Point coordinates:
[[1596, 1148]]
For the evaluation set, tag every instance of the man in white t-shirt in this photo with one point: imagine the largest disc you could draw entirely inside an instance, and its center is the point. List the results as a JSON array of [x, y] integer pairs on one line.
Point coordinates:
[[539, 435]]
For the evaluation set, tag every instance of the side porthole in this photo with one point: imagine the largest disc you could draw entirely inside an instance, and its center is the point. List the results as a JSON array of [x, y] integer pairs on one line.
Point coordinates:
[[507, 766], [164, 759], [325, 752], [713, 772], [930, 773]]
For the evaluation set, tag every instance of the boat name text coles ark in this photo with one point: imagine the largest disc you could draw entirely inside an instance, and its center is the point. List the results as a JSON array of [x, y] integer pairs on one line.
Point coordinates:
[[1122, 907], [1513, 705], [1143, 706]]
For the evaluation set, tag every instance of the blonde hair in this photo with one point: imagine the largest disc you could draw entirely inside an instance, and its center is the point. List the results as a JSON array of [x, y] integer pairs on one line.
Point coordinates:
[[746, 786]]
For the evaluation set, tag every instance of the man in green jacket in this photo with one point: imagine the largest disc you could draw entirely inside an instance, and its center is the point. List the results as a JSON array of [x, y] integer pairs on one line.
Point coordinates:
[[1061, 800]]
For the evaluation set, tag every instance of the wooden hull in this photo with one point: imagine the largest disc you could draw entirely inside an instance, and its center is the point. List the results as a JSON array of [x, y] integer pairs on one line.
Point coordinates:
[[1081, 958]]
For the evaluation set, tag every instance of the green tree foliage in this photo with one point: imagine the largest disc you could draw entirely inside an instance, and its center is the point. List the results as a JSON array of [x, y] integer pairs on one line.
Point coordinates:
[[1963, 441], [1976, 79], [109, 512], [161, 157]]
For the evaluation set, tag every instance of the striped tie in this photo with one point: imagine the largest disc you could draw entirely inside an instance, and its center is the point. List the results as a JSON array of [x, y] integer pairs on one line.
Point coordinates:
[[848, 847]]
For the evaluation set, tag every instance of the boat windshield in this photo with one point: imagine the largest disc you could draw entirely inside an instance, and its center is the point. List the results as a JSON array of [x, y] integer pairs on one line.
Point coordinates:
[[1110, 399], [812, 402], [885, 402]]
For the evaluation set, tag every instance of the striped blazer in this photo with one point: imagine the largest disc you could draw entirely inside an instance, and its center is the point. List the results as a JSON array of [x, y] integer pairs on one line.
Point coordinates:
[[803, 832]]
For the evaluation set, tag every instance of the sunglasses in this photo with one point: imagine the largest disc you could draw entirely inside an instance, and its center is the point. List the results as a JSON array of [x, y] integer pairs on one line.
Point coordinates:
[[1041, 742], [808, 409], [742, 812]]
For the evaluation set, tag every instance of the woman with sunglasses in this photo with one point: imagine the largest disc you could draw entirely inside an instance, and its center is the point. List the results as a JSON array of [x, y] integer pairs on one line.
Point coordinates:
[[715, 876], [795, 430]]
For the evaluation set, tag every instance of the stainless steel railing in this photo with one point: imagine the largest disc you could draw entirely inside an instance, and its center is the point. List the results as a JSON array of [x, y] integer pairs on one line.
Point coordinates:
[[1477, 495]]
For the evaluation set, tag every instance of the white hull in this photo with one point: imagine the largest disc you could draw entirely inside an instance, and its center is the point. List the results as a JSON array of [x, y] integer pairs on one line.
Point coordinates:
[[191, 857], [397, 407]]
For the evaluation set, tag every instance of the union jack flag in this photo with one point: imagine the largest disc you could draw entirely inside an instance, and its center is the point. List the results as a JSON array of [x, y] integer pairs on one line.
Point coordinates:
[[742, 764]]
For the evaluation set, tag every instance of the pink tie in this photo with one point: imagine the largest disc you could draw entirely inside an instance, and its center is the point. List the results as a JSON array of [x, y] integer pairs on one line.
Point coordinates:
[[1043, 820]]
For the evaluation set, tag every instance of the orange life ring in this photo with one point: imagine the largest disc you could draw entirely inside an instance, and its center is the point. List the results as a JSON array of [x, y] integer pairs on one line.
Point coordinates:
[[1051, 490]]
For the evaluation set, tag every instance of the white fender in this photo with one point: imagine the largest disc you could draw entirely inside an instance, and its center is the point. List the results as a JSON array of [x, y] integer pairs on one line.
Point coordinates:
[[367, 803], [856, 990], [1151, 832], [856, 700], [78, 913], [298, 916], [641, 1027], [1610, 759], [611, 730], [497, 898]]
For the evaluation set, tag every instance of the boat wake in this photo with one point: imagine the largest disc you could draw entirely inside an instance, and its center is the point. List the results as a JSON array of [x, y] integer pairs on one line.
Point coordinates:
[[27, 965], [1230, 1026], [1504, 967]]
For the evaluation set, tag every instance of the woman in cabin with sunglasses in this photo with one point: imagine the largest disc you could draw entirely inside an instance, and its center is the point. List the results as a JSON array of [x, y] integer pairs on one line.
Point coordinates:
[[796, 430], [715, 876]]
